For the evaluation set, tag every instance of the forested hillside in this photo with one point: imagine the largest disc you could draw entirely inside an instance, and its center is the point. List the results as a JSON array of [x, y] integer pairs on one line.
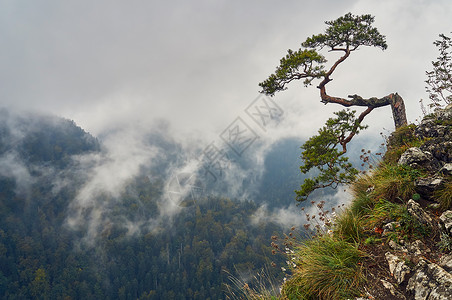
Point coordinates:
[[188, 256]]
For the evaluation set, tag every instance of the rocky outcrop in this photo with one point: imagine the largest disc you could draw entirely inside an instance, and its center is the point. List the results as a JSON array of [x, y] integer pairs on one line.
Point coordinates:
[[416, 276], [397, 267], [445, 223], [430, 282], [418, 213], [417, 159], [436, 129], [419, 271], [425, 186], [435, 155]]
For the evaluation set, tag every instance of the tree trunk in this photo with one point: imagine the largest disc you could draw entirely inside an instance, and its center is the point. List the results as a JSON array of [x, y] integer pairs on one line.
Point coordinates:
[[394, 100], [398, 111]]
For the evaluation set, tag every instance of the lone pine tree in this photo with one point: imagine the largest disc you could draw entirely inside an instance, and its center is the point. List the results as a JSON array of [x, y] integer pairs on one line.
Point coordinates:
[[325, 150]]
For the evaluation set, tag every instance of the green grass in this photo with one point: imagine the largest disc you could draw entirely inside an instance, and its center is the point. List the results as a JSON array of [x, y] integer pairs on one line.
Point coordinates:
[[384, 210], [399, 141], [395, 182], [444, 195], [348, 226], [327, 268]]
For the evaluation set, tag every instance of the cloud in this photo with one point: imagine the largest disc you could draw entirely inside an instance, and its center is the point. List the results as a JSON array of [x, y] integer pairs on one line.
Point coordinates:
[[106, 174], [293, 215], [11, 166]]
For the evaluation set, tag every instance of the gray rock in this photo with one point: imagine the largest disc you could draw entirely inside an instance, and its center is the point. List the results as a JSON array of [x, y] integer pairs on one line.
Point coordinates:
[[393, 245], [444, 114], [417, 158], [392, 289], [397, 267], [440, 148], [418, 248], [427, 185], [445, 222], [445, 262], [390, 227], [446, 169], [434, 127], [416, 211], [429, 282]]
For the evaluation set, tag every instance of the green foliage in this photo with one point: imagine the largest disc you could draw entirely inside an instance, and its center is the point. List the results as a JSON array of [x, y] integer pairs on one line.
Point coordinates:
[[348, 31], [409, 229], [324, 153], [371, 240], [439, 80], [362, 201], [183, 261], [327, 268], [308, 60]]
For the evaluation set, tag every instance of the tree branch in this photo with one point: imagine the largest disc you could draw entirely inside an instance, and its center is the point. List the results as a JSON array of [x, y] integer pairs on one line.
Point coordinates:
[[345, 141]]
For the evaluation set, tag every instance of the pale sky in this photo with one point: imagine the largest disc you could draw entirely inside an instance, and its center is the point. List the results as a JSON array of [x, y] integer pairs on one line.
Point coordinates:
[[197, 64]]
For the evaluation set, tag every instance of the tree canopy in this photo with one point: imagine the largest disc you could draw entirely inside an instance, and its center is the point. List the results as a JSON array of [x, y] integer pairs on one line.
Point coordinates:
[[325, 151], [345, 34]]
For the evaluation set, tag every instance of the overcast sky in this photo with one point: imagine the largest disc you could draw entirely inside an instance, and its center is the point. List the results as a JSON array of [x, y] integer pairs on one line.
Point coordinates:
[[197, 64]]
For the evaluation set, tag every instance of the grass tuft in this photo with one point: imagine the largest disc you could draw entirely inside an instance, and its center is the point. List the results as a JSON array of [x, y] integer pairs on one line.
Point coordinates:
[[394, 182], [261, 287], [444, 195], [348, 226], [327, 268]]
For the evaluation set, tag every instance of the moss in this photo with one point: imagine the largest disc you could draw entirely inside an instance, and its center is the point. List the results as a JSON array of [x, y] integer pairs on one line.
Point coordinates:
[[399, 141]]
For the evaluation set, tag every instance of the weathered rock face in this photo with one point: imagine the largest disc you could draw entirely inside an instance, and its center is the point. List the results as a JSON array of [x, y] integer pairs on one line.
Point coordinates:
[[446, 169], [417, 159], [445, 223], [397, 267], [446, 262], [437, 127], [430, 281], [435, 155], [427, 185], [422, 272], [416, 211]]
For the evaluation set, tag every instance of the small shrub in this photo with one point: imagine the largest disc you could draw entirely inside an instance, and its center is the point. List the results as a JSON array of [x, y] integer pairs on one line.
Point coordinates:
[[394, 182], [409, 228], [399, 141], [402, 136], [327, 268], [443, 195]]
